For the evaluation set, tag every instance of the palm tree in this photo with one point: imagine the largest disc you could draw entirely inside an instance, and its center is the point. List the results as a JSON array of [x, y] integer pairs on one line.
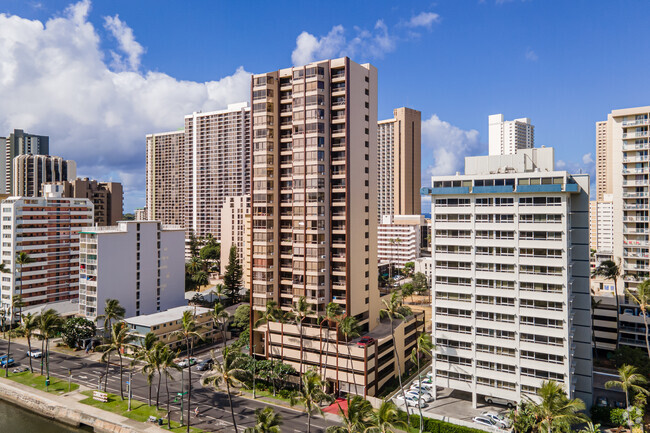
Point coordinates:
[[188, 332], [642, 299], [609, 270], [631, 381], [201, 279], [357, 418], [301, 309], [220, 318], [386, 419], [332, 314], [49, 324], [166, 363], [16, 302], [112, 311], [556, 409], [310, 394], [394, 310], [350, 329], [270, 314], [22, 259], [266, 421], [231, 372], [148, 353], [27, 328], [120, 339], [591, 428], [423, 346]]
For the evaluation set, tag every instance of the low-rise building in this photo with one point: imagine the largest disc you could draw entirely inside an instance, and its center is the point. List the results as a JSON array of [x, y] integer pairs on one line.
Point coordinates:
[[139, 263], [399, 239]]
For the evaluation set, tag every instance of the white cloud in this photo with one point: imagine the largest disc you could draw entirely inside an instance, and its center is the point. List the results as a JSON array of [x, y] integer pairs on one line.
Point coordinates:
[[531, 55], [445, 146], [588, 158], [54, 81], [127, 42], [424, 19], [560, 164]]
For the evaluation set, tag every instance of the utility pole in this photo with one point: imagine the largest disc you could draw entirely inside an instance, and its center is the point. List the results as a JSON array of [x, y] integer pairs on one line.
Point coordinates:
[[69, 379], [182, 394], [130, 389]]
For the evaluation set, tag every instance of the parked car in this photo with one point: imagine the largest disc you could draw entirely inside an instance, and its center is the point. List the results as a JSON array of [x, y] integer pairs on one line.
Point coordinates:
[[499, 420], [4, 362], [422, 384], [34, 353], [629, 311], [421, 389], [425, 396], [183, 362], [365, 341], [499, 401], [483, 420], [602, 401], [413, 402], [204, 365]]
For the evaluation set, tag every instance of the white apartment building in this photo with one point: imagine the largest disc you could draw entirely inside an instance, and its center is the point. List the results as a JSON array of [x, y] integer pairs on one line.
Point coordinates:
[[601, 225], [506, 137], [233, 228], [399, 239], [47, 229], [423, 265], [139, 263], [510, 277]]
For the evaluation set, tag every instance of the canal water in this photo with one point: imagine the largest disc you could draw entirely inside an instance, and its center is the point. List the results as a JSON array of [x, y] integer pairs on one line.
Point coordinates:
[[14, 419]]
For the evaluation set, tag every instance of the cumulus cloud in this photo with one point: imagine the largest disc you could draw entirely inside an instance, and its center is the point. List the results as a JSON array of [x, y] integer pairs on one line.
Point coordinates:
[[445, 146], [131, 48], [54, 81], [424, 19], [588, 158], [531, 55]]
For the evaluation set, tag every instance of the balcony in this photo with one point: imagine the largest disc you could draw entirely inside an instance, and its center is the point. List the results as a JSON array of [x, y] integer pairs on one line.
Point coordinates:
[[643, 146], [629, 135], [637, 122], [635, 194]]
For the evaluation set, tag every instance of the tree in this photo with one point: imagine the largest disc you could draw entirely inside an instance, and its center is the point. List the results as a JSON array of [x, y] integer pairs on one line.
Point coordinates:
[[394, 310], [266, 421], [310, 395], [220, 318], [420, 283], [630, 381], [332, 315], [22, 259], [591, 428], [166, 363], [200, 279], [609, 270], [233, 276], [357, 418], [386, 419], [193, 245], [16, 302], [522, 418], [27, 327], [423, 346], [120, 339], [350, 329], [408, 268], [76, 329], [148, 354], [188, 333], [112, 311], [231, 372], [642, 299], [270, 314], [301, 309], [556, 411], [242, 317], [49, 324], [211, 253], [407, 290]]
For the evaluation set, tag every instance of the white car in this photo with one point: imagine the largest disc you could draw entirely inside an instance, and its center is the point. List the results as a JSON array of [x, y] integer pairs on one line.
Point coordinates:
[[422, 384], [34, 353], [425, 396], [412, 401], [483, 420], [422, 389], [499, 420], [499, 401], [184, 363]]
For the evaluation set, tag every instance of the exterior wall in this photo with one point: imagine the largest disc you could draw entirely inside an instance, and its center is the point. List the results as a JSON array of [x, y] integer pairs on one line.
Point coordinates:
[[510, 267], [30, 172], [20, 143], [138, 263], [603, 161], [601, 225], [233, 218], [106, 197], [166, 177], [507, 137], [399, 239], [47, 229]]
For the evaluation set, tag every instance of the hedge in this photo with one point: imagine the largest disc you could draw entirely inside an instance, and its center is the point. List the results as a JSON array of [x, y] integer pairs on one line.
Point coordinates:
[[436, 426]]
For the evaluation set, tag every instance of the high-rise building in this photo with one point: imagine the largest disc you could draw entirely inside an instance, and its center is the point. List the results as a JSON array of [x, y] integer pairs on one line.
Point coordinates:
[[398, 163], [140, 214], [190, 172], [30, 172], [506, 137], [603, 161], [19, 143], [510, 278], [314, 221], [399, 239], [139, 263], [233, 228], [47, 229], [106, 197], [628, 146], [601, 225], [165, 177]]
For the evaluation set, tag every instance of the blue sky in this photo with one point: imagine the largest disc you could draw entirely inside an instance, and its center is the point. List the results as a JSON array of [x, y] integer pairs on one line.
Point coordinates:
[[98, 76]]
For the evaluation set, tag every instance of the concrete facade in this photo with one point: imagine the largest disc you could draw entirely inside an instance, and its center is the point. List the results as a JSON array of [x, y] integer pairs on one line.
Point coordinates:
[[107, 198], [30, 172], [399, 239], [506, 137], [19, 143], [233, 228]]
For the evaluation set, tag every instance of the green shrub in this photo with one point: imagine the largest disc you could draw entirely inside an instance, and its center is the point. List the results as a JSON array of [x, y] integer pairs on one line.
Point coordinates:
[[435, 426], [618, 417]]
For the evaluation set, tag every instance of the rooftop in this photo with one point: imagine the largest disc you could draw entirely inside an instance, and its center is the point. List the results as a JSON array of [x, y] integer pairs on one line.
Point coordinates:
[[166, 316]]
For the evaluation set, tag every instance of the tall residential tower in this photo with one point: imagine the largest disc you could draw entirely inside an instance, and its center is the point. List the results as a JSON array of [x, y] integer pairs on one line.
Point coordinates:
[[506, 137], [20, 143]]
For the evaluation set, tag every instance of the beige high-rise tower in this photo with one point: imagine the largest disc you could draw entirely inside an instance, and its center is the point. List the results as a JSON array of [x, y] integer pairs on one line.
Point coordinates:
[[314, 225], [603, 162], [398, 163]]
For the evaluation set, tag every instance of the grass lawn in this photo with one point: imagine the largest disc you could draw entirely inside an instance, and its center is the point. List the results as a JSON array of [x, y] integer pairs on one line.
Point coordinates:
[[139, 411], [267, 394], [57, 386]]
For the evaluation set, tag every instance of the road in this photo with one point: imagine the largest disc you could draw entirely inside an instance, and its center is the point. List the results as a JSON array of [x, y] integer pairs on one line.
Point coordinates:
[[213, 406]]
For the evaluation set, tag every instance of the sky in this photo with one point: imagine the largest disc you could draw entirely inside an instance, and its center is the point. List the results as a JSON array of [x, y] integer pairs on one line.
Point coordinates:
[[98, 76]]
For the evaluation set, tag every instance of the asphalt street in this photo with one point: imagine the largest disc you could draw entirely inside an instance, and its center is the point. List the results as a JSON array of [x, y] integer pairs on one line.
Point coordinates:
[[214, 409]]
